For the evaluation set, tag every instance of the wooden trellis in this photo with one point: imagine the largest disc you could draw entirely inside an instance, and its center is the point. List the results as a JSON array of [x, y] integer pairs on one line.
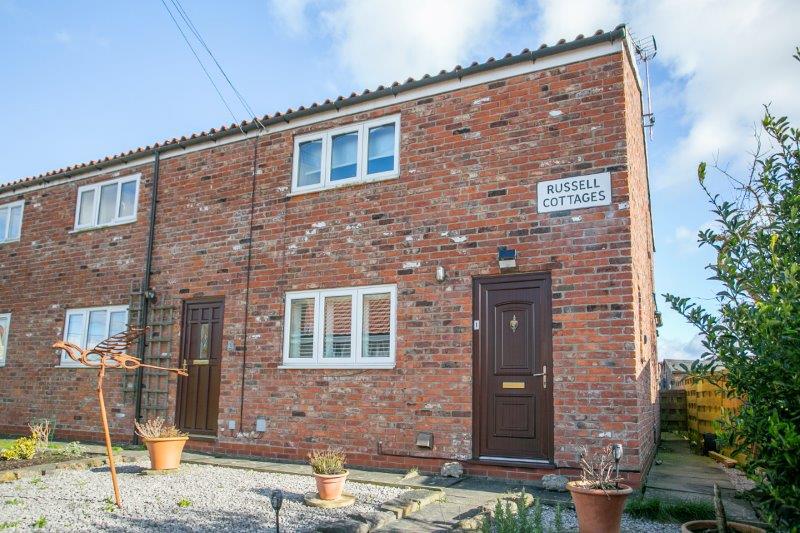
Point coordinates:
[[157, 352]]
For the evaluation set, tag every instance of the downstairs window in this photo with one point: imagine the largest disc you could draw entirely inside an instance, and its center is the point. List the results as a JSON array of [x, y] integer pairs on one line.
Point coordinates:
[[341, 328]]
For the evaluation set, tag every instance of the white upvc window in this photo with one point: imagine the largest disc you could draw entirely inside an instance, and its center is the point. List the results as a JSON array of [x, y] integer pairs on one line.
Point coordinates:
[[341, 328], [354, 153], [11, 221], [107, 203], [5, 325], [87, 327]]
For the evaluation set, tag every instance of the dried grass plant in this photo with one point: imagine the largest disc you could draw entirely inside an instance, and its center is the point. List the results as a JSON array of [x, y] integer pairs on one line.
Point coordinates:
[[327, 462], [157, 428], [40, 432], [597, 470]]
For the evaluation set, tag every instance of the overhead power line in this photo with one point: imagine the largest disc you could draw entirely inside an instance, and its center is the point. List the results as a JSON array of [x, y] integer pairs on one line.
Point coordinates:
[[185, 16], [189, 44]]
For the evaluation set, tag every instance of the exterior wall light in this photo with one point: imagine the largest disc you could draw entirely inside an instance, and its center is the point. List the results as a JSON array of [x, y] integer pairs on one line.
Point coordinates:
[[616, 449], [440, 273], [261, 424], [506, 257]]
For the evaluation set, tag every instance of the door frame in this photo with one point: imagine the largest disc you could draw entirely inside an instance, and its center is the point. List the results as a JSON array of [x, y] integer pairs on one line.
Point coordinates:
[[478, 393], [182, 355]]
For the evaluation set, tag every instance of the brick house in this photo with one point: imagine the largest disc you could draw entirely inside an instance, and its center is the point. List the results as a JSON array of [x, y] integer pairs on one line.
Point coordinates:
[[331, 276]]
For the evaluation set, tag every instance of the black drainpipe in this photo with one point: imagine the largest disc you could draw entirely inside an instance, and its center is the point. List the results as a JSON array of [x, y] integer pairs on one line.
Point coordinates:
[[146, 295]]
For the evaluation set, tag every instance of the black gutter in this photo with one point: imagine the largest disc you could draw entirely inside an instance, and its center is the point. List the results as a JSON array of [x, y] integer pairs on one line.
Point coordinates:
[[145, 295], [340, 103]]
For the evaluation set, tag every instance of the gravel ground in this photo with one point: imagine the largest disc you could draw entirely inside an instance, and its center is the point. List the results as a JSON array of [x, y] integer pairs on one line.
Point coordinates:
[[738, 479], [214, 499], [629, 524]]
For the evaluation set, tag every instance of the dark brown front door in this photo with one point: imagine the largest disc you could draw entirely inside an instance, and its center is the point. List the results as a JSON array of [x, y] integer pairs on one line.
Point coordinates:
[[513, 400], [201, 350]]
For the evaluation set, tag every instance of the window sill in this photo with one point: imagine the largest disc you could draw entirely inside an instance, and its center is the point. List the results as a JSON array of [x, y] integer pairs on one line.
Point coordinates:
[[104, 226], [79, 367], [364, 181], [387, 366], [10, 241]]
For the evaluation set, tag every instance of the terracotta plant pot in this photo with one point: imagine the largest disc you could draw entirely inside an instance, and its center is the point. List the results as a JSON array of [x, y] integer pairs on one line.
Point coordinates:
[[165, 454], [703, 525], [599, 511], [330, 487]]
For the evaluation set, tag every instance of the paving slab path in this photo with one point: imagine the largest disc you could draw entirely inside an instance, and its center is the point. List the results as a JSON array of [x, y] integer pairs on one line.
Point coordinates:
[[683, 474]]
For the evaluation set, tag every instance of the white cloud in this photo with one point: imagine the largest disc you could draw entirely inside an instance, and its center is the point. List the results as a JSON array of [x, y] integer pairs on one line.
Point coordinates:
[[381, 41], [730, 58], [725, 60], [565, 20], [686, 238], [291, 13], [669, 348]]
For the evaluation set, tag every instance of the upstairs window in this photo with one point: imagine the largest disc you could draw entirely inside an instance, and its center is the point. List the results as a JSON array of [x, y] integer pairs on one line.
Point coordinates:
[[108, 203], [87, 327], [5, 324], [335, 328], [351, 154], [11, 221]]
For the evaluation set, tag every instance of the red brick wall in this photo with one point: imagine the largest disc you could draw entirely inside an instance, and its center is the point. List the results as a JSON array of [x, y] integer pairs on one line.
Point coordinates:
[[642, 250], [52, 269], [470, 160]]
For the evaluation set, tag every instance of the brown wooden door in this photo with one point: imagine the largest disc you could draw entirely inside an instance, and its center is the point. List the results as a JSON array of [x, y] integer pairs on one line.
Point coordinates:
[[513, 401], [201, 351]]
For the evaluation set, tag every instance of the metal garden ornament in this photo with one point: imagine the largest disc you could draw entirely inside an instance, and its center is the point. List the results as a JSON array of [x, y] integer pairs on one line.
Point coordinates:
[[110, 354]]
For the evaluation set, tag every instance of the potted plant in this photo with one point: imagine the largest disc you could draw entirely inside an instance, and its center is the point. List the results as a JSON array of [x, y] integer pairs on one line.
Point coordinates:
[[599, 496], [721, 524], [329, 472], [164, 443]]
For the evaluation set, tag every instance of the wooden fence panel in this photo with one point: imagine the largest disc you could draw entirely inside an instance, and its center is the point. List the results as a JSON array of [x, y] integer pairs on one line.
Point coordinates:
[[673, 410]]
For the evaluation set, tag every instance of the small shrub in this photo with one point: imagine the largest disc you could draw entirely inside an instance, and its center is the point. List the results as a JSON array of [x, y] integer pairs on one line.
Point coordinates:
[[513, 517], [184, 503], [39, 523], [8, 525], [12, 501], [23, 448], [558, 521], [327, 462], [71, 450], [157, 428]]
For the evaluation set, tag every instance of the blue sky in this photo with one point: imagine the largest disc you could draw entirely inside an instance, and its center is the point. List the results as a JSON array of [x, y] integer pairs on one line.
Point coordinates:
[[85, 79]]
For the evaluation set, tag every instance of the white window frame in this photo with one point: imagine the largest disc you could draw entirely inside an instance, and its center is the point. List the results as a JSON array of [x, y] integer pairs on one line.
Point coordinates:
[[4, 340], [66, 361], [117, 220], [355, 360], [9, 206], [326, 136]]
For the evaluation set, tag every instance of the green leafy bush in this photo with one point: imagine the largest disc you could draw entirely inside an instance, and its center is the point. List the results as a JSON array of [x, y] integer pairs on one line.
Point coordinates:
[[23, 448], [513, 517], [755, 330], [70, 450]]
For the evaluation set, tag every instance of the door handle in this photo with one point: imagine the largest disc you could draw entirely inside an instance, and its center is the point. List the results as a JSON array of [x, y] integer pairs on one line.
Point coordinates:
[[543, 373]]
